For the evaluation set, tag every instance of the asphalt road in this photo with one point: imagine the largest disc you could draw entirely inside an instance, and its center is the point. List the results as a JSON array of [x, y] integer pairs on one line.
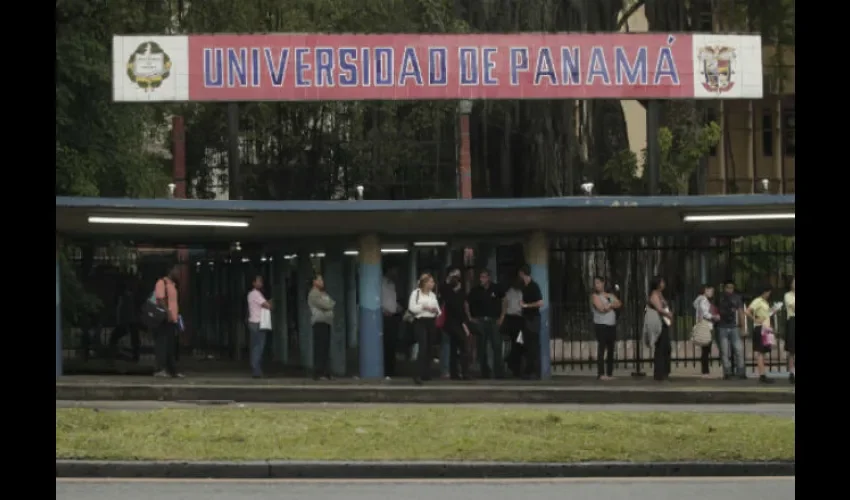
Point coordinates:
[[775, 488], [778, 410]]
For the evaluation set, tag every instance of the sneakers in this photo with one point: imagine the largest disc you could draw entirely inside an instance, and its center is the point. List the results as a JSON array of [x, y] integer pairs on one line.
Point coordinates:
[[161, 374], [764, 380]]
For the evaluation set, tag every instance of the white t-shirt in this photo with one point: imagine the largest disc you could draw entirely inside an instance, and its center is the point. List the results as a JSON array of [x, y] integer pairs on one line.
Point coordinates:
[[389, 298], [255, 305], [419, 300]]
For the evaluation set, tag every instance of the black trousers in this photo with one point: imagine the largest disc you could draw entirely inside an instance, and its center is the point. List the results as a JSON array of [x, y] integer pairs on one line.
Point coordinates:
[[511, 328], [705, 359], [662, 361], [531, 341], [458, 350], [165, 348], [606, 337], [321, 350], [392, 325], [131, 329], [424, 330]]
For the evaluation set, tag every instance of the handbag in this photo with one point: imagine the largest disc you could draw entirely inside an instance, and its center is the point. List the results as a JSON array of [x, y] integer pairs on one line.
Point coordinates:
[[265, 319], [441, 319], [701, 333], [768, 338], [153, 315], [408, 316]]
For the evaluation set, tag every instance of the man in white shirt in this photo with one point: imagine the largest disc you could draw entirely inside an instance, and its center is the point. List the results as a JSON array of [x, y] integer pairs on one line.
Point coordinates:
[[392, 319], [256, 303]]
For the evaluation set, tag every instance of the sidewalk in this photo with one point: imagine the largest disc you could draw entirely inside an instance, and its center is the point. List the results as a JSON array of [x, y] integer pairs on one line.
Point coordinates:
[[228, 387]]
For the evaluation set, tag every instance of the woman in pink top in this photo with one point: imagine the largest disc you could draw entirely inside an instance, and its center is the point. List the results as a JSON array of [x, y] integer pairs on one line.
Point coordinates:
[[256, 303]]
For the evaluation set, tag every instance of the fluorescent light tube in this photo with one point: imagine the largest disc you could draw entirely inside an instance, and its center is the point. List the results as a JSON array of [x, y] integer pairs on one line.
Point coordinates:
[[738, 217], [429, 243], [162, 221]]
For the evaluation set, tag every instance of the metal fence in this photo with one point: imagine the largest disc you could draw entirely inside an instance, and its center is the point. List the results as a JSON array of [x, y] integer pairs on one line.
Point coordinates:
[[685, 263], [216, 282]]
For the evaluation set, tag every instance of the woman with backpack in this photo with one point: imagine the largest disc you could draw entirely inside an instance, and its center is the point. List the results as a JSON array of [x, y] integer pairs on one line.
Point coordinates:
[[162, 316]]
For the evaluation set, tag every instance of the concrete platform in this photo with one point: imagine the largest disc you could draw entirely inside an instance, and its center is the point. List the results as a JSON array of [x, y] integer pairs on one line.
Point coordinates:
[[226, 388]]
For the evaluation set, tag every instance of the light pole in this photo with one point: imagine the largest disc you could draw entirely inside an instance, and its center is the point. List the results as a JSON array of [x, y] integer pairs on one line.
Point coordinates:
[[465, 160]]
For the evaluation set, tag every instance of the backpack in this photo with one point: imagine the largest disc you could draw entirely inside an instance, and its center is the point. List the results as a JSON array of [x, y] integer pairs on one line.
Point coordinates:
[[153, 315]]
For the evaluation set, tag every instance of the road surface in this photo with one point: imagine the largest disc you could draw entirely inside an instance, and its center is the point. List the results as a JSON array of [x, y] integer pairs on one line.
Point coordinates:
[[778, 410], [774, 488]]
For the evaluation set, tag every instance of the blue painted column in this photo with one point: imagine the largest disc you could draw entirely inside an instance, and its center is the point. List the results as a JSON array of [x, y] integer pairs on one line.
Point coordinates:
[[304, 275], [334, 276], [537, 255], [58, 319], [350, 264], [371, 319], [279, 311]]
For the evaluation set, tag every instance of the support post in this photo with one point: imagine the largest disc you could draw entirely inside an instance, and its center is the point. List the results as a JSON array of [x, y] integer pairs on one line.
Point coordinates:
[[351, 301], [371, 319], [58, 317], [281, 301], [721, 149], [537, 255], [750, 161], [233, 160], [335, 286], [305, 330], [653, 149]]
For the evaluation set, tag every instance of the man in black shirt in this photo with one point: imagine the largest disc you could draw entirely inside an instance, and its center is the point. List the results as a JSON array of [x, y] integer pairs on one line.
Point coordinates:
[[486, 311], [532, 301], [453, 298], [731, 310]]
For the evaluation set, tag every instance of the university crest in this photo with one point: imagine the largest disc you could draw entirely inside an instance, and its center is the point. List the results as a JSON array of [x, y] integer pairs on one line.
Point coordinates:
[[148, 66], [718, 68]]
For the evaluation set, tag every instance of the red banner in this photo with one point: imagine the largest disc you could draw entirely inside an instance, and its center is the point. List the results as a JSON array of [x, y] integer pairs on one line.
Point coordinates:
[[307, 67]]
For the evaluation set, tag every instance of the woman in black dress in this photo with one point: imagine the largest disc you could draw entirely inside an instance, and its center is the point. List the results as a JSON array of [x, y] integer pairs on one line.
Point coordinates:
[[663, 352]]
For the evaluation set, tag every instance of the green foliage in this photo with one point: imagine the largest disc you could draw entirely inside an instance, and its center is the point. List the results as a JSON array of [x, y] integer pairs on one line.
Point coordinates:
[[679, 157]]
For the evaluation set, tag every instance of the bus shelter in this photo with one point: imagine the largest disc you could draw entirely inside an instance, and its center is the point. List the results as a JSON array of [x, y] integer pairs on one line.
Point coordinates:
[[366, 230]]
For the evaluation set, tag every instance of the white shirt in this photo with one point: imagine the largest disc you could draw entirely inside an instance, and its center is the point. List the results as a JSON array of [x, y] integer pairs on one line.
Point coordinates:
[[419, 300], [389, 298]]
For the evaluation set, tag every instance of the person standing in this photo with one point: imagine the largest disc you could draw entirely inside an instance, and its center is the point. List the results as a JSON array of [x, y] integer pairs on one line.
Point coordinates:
[[454, 302], [532, 301], [705, 316], [512, 325], [423, 305], [392, 320], [603, 306], [730, 308], [165, 335], [790, 328], [321, 317], [256, 303], [485, 307], [662, 362], [760, 312]]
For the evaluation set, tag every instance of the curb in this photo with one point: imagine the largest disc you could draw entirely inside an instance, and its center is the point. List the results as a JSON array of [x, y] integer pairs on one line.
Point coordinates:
[[412, 470], [403, 394]]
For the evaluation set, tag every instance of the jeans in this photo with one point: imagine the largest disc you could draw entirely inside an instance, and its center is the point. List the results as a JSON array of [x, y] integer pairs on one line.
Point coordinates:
[[257, 347], [445, 349], [489, 348], [606, 339], [730, 336], [392, 325], [321, 350], [424, 329], [459, 352], [165, 345]]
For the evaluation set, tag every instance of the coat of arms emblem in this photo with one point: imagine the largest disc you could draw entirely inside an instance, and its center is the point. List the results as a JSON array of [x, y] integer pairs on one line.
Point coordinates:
[[718, 67], [148, 66]]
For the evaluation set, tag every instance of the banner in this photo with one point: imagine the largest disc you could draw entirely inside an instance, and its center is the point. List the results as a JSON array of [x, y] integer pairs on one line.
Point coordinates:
[[307, 67]]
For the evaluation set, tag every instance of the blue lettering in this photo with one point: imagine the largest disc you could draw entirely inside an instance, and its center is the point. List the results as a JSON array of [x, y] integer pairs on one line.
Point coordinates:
[[570, 66], [367, 67], [666, 66], [301, 67], [519, 62], [347, 68], [598, 67], [410, 67], [634, 73], [255, 65], [324, 67], [437, 65], [384, 67], [237, 67], [545, 67], [489, 65], [469, 74], [213, 69], [277, 73]]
